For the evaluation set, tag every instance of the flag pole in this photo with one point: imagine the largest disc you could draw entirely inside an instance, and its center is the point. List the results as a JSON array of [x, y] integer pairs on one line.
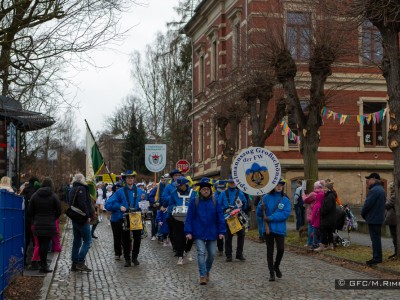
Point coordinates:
[[108, 171]]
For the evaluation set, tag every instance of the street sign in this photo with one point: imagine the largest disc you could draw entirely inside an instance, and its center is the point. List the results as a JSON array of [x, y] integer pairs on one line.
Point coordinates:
[[183, 165], [52, 154]]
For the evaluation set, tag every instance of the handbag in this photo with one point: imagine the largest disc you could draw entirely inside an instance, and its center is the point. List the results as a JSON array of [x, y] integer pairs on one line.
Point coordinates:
[[75, 214]]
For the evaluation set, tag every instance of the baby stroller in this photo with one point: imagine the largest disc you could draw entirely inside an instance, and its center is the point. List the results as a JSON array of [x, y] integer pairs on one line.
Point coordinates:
[[345, 221]]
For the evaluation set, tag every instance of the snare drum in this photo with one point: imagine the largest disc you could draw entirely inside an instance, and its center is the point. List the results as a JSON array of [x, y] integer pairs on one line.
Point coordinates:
[[179, 213]]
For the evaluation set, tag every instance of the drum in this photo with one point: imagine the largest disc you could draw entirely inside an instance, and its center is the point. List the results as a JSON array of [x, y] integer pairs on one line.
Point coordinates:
[[179, 213]]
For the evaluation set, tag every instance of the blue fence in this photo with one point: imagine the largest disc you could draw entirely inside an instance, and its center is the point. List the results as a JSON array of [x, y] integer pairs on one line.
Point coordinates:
[[12, 219]]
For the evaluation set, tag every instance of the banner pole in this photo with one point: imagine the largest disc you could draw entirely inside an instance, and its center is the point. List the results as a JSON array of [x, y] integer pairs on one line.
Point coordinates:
[[108, 171]]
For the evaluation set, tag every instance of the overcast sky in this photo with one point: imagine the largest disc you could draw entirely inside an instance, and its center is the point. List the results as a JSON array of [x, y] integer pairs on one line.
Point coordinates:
[[99, 91]]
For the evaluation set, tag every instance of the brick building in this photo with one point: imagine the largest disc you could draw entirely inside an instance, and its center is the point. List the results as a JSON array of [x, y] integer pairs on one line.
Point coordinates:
[[220, 32]]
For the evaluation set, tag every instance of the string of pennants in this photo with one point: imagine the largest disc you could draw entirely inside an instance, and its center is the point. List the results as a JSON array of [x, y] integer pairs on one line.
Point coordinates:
[[375, 117], [291, 135]]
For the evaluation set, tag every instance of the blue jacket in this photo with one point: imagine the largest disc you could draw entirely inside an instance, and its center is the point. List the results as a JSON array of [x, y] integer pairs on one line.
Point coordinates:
[[277, 223], [373, 211], [162, 217], [118, 199], [231, 201], [152, 195], [166, 194], [204, 221], [175, 200]]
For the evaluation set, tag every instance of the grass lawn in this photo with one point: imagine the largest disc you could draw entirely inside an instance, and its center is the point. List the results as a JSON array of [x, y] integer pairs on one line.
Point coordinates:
[[356, 253]]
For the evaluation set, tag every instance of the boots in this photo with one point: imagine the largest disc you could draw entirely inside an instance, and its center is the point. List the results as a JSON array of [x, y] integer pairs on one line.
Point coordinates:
[[277, 271], [135, 261], [73, 267], [127, 263], [271, 276], [44, 268], [82, 267]]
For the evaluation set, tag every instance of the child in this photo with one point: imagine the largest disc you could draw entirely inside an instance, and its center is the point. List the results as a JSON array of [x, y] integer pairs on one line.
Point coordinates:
[[161, 220]]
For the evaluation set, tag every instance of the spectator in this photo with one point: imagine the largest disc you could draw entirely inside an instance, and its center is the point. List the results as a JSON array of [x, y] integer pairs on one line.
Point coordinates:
[[299, 205], [44, 210], [309, 201], [390, 218], [5, 184], [328, 218], [373, 212], [82, 242]]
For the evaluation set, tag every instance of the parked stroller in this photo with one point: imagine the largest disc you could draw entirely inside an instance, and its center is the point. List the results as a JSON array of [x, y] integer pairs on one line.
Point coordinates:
[[345, 221]]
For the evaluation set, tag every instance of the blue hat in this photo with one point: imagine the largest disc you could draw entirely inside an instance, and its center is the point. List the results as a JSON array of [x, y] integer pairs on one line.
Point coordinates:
[[128, 173], [118, 184], [282, 181], [173, 172], [230, 179], [181, 180], [205, 182], [221, 184]]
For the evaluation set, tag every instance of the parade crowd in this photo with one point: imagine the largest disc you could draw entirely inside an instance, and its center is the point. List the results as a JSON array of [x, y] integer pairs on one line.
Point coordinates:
[[182, 213]]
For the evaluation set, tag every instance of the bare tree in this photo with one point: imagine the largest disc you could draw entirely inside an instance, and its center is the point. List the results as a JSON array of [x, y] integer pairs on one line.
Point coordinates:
[[321, 48], [163, 78], [385, 15], [38, 37]]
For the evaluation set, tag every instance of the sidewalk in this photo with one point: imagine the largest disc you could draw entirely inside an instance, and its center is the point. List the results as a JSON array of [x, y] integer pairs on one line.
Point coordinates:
[[356, 237]]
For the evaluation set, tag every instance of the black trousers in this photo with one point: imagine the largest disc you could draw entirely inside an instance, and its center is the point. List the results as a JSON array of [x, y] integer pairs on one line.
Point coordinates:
[[43, 249], [181, 244], [127, 243], [240, 242], [117, 236], [123, 238], [270, 240], [327, 234], [220, 244]]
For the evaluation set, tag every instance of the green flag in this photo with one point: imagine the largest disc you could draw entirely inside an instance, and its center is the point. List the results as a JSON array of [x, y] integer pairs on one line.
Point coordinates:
[[94, 160]]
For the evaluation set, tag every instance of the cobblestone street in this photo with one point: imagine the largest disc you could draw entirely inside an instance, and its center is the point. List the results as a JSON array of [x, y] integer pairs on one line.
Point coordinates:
[[158, 276]]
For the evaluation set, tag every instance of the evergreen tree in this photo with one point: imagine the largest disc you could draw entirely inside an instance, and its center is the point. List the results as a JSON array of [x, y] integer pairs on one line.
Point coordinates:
[[139, 151], [133, 153], [129, 145]]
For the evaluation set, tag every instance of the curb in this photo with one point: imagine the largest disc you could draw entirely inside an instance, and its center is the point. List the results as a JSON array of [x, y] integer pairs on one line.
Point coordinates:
[[379, 268], [48, 279]]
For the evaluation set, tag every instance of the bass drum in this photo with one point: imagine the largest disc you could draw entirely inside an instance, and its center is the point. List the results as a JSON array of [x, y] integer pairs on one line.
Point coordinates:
[[179, 213]]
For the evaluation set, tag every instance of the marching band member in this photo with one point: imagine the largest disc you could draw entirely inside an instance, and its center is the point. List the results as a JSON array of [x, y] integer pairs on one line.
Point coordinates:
[[182, 193], [220, 187], [205, 224], [165, 199], [233, 197], [123, 200], [277, 211]]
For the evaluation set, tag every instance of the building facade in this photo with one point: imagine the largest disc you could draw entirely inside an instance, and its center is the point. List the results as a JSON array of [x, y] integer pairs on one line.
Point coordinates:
[[353, 137]]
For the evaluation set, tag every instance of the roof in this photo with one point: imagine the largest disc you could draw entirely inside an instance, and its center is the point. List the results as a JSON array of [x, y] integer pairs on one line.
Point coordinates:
[[24, 120]]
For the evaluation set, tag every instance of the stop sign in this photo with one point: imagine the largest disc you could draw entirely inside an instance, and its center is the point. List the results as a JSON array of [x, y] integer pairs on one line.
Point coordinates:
[[183, 165]]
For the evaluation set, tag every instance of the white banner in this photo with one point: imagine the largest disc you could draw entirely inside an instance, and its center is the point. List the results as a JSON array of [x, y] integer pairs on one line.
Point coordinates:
[[156, 157], [256, 171]]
